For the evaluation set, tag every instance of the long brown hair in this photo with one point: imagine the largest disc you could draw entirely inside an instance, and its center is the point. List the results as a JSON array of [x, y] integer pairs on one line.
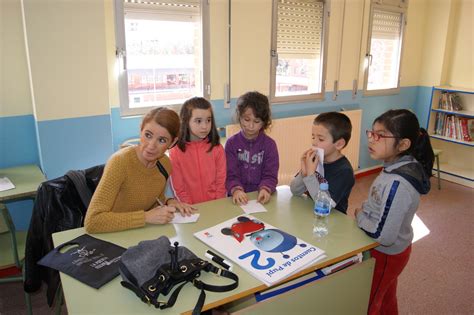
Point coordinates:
[[186, 114], [164, 117]]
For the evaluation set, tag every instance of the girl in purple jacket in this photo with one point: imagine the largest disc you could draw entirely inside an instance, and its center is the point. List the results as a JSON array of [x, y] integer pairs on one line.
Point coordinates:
[[252, 156]]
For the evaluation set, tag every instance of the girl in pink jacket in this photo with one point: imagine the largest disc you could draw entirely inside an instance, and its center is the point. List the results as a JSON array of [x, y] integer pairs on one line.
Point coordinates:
[[198, 160]]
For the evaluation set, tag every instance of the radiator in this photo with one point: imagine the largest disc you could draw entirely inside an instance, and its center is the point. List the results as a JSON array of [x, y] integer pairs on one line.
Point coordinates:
[[293, 136]]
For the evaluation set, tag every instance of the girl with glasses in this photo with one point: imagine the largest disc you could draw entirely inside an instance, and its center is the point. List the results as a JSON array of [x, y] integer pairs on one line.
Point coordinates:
[[396, 139]]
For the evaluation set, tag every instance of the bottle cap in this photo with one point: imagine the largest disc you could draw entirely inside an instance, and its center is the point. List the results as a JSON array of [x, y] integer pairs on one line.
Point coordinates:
[[324, 186]]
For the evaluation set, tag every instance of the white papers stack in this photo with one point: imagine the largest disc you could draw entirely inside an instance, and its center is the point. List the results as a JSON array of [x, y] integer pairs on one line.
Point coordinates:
[[178, 218], [253, 207], [6, 184], [266, 252]]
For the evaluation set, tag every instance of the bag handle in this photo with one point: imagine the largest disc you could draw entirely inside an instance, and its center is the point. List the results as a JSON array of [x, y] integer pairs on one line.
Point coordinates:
[[214, 288], [219, 272], [162, 169], [203, 287]]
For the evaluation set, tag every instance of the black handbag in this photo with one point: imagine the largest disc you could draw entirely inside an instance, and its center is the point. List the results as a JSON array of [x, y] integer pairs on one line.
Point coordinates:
[[154, 268]]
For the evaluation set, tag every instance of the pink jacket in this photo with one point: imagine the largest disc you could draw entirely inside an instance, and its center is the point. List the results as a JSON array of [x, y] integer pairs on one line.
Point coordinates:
[[198, 175]]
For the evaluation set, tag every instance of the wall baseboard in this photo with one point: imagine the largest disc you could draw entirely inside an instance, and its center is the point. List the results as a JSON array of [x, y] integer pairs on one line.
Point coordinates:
[[368, 171]]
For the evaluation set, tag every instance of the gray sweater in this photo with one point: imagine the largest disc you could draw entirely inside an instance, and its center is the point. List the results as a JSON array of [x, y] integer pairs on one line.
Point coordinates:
[[393, 200]]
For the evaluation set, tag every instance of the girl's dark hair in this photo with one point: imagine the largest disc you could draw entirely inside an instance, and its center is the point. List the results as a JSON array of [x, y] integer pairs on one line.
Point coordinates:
[[402, 123], [186, 114], [258, 103], [164, 117]]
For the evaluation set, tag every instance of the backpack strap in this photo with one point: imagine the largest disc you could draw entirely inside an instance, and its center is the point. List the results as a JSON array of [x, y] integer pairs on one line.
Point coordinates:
[[162, 169]]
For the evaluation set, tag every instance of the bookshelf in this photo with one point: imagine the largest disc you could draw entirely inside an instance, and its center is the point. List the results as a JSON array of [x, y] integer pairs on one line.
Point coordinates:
[[451, 131]]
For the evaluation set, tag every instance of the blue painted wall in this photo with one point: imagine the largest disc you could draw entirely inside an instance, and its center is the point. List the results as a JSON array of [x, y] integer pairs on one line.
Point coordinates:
[[18, 143], [74, 143], [422, 104]]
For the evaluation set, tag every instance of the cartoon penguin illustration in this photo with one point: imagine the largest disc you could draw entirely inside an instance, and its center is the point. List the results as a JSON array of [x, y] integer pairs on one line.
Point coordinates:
[[274, 241], [271, 240]]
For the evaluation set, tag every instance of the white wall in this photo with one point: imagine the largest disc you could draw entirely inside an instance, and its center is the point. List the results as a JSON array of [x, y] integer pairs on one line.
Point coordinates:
[[15, 97]]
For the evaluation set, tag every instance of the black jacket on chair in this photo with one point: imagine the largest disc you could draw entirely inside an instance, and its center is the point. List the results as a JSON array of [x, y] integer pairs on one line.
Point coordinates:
[[60, 205]]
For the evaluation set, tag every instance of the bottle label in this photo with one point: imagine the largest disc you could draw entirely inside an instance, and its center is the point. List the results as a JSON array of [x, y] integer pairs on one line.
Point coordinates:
[[322, 208]]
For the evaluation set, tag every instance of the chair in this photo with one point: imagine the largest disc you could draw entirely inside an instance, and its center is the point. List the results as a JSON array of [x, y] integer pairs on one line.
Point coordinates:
[[436, 154], [60, 205], [129, 142], [12, 247]]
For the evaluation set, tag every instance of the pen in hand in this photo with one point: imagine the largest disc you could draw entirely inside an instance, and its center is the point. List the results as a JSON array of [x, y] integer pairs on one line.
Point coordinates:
[[159, 202], [162, 204]]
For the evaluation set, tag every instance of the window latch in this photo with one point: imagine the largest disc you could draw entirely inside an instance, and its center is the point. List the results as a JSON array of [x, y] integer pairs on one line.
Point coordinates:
[[274, 53], [122, 54], [369, 58]]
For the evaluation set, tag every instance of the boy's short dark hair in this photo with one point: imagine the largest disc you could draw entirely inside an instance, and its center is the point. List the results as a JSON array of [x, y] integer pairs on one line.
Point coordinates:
[[258, 103], [338, 124]]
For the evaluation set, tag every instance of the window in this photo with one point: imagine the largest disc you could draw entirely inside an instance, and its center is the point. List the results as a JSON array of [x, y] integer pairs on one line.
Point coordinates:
[[298, 50], [161, 51], [383, 59]]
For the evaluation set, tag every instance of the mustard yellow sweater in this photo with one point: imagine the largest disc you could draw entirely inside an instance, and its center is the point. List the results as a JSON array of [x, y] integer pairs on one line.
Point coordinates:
[[126, 190]]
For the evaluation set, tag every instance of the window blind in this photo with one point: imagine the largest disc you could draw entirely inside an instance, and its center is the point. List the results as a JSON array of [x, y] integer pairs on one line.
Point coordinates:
[[188, 7], [386, 25], [300, 27]]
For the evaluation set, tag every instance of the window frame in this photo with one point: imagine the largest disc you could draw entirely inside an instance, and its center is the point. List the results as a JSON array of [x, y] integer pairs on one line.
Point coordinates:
[[392, 6], [121, 61], [274, 60]]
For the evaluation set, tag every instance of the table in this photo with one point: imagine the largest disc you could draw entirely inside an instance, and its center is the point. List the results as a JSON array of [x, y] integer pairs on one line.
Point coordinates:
[[26, 179], [289, 213]]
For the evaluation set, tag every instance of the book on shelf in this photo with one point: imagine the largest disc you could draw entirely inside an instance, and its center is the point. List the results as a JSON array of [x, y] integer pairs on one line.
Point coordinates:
[[449, 101], [454, 127]]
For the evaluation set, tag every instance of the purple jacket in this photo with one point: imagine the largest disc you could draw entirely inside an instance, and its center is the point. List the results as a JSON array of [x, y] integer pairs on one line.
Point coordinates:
[[251, 164]]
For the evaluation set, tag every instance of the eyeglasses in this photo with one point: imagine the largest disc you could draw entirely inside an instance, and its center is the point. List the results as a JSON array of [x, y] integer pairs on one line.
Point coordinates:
[[376, 136]]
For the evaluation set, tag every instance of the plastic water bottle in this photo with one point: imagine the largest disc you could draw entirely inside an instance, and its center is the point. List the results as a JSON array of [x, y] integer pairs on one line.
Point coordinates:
[[322, 208]]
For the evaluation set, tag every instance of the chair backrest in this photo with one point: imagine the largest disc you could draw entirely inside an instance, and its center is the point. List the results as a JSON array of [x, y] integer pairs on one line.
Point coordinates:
[[129, 142]]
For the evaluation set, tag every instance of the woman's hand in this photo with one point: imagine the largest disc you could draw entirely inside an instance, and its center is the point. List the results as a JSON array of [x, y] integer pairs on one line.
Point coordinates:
[[183, 208], [263, 196], [160, 215], [239, 197]]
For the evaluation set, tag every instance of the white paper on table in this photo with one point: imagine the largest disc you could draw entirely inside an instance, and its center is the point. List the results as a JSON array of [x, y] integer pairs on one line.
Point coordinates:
[[6, 184], [178, 218], [320, 167], [253, 206]]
